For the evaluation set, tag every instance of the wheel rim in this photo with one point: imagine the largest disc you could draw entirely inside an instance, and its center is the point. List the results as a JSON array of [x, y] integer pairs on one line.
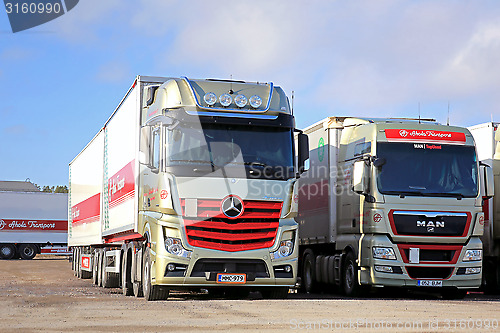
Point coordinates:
[[6, 251], [146, 278], [349, 276], [28, 251]]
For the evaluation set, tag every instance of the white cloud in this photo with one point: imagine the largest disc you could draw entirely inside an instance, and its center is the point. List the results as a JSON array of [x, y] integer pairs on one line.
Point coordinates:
[[116, 71]]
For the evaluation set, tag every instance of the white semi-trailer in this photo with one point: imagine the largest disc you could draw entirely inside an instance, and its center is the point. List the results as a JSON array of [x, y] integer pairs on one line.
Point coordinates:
[[31, 222], [391, 202], [189, 185], [487, 137]]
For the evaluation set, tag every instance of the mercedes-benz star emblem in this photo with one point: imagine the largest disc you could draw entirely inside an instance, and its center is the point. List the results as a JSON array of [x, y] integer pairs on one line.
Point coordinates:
[[232, 206]]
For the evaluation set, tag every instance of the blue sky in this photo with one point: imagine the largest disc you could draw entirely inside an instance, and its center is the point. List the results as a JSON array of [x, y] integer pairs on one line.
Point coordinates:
[[60, 81]]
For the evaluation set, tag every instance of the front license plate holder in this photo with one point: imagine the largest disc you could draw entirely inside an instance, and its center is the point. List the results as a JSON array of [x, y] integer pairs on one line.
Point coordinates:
[[429, 283], [231, 278]]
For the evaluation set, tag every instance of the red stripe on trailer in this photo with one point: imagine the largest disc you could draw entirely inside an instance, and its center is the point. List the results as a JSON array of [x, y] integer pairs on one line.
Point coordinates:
[[89, 210]]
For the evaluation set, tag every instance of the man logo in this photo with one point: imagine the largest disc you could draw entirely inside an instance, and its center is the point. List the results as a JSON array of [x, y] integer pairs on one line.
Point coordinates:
[[2, 224], [430, 225], [25, 15], [232, 206]]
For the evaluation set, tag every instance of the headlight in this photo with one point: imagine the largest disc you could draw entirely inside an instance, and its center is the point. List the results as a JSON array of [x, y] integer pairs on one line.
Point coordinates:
[[473, 255], [225, 99], [174, 246], [384, 253], [240, 101], [210, 98], [285, 249], [255, 101]]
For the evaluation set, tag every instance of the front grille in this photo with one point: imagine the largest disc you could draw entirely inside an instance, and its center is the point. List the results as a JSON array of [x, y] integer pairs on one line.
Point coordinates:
[[433, 255], [429, 272], [430, 223], [256, 228], [210, 267]]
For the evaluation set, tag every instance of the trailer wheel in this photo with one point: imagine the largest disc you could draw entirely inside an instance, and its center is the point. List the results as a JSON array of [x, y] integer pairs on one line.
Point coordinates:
[[309, 272], [95, 269], [151, 292], [7, 251], [127, 289], [99, 267], [109, 280]]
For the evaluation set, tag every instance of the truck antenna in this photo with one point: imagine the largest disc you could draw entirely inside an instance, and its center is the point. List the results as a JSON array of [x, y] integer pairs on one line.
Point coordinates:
[[419, 113], [293, 97], [448, 120]]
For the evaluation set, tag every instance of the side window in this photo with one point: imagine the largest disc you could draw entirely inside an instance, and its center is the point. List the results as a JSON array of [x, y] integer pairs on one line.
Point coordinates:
[[155, 156]]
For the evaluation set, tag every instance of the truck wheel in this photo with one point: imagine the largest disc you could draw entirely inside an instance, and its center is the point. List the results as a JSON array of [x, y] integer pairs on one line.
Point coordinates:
[[137, 288], [350, 282], [275, 293], [151, 292], [125, 269], [7, 251], [309, 272]]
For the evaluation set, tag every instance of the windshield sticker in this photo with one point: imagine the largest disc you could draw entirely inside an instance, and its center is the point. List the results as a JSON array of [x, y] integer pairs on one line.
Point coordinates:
[[409, 135]]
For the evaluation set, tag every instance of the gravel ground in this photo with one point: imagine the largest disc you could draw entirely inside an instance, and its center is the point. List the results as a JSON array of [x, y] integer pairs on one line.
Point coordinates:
[[42, 295]]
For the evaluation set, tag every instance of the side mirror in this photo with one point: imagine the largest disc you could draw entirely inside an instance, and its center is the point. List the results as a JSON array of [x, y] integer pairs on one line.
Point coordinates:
[[359, 179], [303, 152], [487, 181]]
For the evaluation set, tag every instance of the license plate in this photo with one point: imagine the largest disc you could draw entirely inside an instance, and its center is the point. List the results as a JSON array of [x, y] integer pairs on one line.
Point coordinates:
[[231, 278], [429, 283]]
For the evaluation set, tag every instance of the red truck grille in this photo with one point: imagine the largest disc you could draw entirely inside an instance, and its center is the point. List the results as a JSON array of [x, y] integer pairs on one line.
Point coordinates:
[[255, 228]]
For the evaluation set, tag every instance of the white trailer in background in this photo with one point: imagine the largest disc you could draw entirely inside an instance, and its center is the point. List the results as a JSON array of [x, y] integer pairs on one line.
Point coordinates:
[[487, 138], [31, 222]]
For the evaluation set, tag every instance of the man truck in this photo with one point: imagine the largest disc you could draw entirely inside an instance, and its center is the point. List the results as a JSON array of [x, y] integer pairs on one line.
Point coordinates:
[[31, 222], [487, 137], [189, 185], [391, 203]]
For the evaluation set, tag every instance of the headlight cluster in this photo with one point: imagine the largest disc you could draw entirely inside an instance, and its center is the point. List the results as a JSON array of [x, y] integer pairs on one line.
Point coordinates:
[[285, 249], [473, 255], [174, 246], [384, 253], [225, 100]]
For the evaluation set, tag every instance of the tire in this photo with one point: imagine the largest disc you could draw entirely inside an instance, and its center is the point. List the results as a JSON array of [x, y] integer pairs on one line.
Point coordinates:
[[73, 259], [151, 292], [7, 251], [127, 288], [309, 272], [109, 280], [331, 270], [99, 267], [78, 263], [275, 293], [319, 274], [137, 289], [28, 251], [95, 270], [350, 284], [324, 269]]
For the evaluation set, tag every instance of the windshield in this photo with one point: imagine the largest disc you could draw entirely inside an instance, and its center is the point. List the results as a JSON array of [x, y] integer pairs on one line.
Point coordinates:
[[231, 145], [427, 169]]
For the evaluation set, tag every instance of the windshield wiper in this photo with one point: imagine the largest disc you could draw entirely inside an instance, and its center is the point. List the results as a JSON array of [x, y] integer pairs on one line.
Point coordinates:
[[256, 163], [214, 167], [402, 194], [459, 196]]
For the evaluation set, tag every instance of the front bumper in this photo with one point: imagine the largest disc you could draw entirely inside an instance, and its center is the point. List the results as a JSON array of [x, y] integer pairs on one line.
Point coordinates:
[[450, 273], [201, 269]]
